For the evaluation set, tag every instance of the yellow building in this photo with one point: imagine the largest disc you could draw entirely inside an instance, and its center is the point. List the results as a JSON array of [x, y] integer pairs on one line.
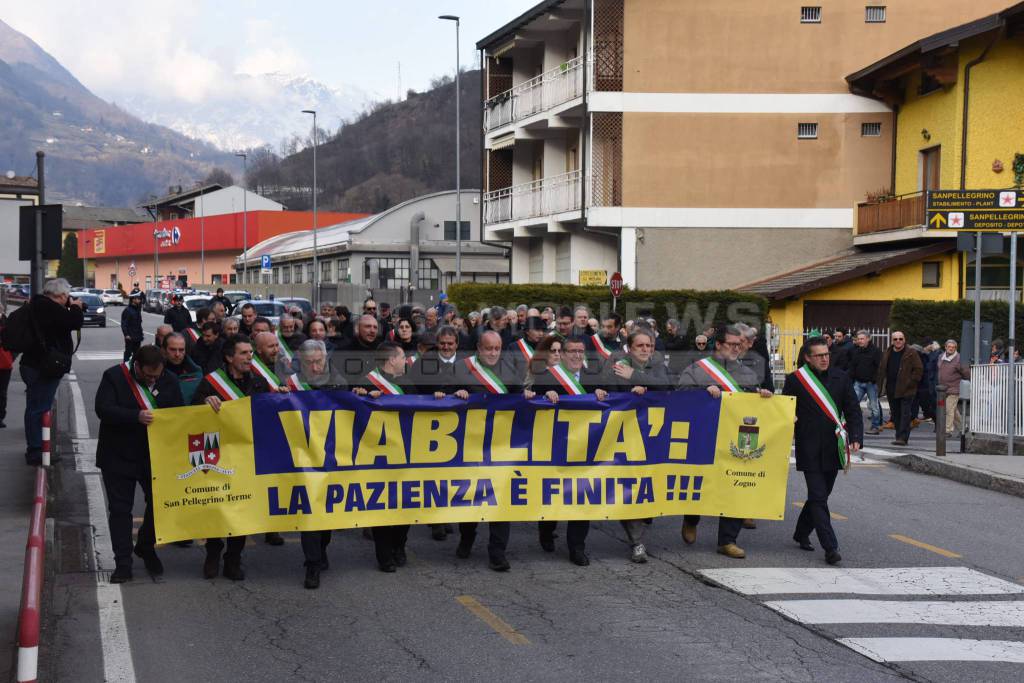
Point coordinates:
[[957, 97]]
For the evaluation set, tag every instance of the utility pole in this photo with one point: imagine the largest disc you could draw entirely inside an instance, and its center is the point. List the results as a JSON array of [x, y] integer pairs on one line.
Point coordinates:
[[458, 164], [245, 222], [38, 265], [315, 300]]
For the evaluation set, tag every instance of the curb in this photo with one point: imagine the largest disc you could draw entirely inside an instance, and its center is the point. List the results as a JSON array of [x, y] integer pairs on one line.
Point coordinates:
[[964, 474]]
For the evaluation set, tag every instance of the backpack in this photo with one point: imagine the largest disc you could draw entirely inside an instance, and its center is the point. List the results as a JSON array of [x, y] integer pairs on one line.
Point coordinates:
[[19, 334]]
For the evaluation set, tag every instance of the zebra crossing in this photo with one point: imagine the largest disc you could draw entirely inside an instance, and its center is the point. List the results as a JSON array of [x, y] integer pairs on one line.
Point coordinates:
[[930, 597], [99, 355]]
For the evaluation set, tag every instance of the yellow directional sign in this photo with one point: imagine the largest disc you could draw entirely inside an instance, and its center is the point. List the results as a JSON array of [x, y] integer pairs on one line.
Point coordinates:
[[975, 210], [937, 221]]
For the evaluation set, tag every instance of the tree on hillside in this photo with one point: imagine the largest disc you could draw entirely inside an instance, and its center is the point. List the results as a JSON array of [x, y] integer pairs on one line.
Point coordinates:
[[71, 267], [220, 176]]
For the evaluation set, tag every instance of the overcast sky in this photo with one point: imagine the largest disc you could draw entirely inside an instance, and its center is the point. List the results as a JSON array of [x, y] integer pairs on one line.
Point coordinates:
[[190, 46]]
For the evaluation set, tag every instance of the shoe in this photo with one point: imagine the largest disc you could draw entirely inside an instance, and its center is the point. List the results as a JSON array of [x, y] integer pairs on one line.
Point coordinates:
[[273, 538], [749, 524], [732, 550], [689, 533], [3, 425], [153, 564], [211, 567], [579, 557], [400, 557], [928, 419], [463, 550], [33, 458], [898, 442], [547, 543], [437, 532], [833, 557], [914, 423], [639, 554], [324, 562], [233, 570], [121, 573], [804, 543], [312, 581], [387, 568], [875, 431], [889, 425], [183, 544], [499, 563]]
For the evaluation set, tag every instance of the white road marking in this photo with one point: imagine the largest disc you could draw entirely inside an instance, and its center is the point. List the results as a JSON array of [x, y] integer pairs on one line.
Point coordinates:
[[100, 355], [967, 613], [117, 653], [887, 581], [857, 459], [871, 450], [937, 649]]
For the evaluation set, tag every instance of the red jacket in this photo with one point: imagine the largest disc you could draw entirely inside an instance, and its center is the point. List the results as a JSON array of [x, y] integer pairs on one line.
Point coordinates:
[[6, 357]]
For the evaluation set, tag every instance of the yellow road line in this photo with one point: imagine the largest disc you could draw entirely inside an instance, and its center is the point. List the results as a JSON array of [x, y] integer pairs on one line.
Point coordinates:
[[503, 628], [925, 546], [834, 515]]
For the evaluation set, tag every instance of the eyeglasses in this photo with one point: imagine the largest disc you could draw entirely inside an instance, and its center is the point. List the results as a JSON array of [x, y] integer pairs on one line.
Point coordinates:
[[819, 355], [733, 345]]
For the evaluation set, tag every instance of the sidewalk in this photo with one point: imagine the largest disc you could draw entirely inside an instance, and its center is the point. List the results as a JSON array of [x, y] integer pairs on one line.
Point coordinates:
[[16, 492]]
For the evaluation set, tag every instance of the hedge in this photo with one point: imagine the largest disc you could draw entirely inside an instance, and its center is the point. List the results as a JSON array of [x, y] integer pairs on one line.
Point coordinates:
[[694, 309], [942, 320]]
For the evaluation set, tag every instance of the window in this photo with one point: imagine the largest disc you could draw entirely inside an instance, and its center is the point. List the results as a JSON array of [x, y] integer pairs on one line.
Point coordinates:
[[449, 230], [931, 273], [298, 274], [326, 274], [810, 15], [874, 14], [277, 275], [286, 275], [430, 275], [343, 273], [309, 272], [871, 130], [807, 131], [149, 282], [392, 273], [233, 278]]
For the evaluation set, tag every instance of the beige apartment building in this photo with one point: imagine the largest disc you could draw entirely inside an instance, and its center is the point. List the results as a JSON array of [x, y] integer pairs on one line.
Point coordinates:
[[688, 143]]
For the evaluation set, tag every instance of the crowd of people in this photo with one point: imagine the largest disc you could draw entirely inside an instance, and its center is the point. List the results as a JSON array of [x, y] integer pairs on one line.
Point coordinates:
[[540, 353]]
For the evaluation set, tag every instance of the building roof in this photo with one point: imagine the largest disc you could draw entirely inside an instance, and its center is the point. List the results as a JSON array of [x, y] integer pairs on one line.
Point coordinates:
[[509, 29], [176, 198], [842, 267], [82, 217], [18, 182], [863, 81]]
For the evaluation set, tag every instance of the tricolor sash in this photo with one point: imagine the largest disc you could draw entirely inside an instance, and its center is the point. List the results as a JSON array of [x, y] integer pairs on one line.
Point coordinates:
[[193, 334], [143, 396], [222, 383], [719, 374], [284, 347], [486, 376], [599, 346], [568, 380], [824, 400], [266, 373], [296, 384], [525, 349], [411, 359], [386, 386]]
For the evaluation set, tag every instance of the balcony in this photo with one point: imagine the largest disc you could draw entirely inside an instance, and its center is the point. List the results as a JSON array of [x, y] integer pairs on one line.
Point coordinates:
[[903, 211], [539, 94], [545, 197]]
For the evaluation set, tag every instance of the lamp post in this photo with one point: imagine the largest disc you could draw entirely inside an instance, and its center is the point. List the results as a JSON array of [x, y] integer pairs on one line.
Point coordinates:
[[458, 165], [316, 266], [202, 238], [158, 235], [245, 223]]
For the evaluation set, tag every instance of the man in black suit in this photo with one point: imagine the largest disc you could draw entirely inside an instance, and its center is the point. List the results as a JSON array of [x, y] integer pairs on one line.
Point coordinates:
[[125, 401], [820, 450]]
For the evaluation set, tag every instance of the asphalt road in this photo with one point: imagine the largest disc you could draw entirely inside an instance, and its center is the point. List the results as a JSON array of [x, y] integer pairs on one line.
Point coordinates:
[[948, 585]]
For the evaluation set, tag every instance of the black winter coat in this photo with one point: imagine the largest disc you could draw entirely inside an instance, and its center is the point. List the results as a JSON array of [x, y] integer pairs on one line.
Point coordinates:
[[178, 318], [131, 323], [55, 322], [864, 362], [123, 445], [815, 433]]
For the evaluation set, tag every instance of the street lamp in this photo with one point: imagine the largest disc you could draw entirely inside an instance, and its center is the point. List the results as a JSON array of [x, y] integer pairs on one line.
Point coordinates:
[[458, 169], [316, 266], [245, 222], [158, 235], [202, 237]]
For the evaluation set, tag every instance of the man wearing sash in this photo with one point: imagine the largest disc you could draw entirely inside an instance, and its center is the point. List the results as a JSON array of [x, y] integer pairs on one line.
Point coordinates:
[[235, 380], [206, 352], [269, 363], [718, 373], [125, 400], [178, 364], [519, 352], [486, 373], [289, 334], [829, 427], [608, 341]]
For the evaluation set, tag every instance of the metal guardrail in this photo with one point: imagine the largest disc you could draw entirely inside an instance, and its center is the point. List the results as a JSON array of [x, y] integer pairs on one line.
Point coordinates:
[[990, 394], [544, 197], [540, 93], [30, 613]]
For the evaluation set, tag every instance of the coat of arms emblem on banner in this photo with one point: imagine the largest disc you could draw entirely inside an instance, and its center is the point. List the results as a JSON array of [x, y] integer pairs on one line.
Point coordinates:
[[746, 445]]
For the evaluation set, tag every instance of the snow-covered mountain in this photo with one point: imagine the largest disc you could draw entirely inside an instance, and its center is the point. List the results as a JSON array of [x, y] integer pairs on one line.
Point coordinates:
[[256, 110]]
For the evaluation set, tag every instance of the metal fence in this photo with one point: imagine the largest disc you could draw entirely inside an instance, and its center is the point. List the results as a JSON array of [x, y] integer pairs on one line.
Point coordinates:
[[784, 345], [990, 398]]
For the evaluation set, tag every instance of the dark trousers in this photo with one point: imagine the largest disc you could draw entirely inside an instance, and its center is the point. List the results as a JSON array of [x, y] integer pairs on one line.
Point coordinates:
[[815, 514], [387, 540], [5, 380], [575, 534], [39, 394], [497, 540], [130, 347], [234, 545], [120, 501], [728, 527], [314, 546], [899, 410]]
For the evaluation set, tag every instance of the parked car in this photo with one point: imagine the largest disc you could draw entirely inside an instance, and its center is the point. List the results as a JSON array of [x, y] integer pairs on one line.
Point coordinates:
[[113, 297], [271, 310], [236, 295], [94, 311], [304, 304], [194, 302], [152, 303]]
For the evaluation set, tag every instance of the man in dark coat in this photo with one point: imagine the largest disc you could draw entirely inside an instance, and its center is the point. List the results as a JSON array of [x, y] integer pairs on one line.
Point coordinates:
[[125, 401], [356, 357], [899, 373], [177, 316], [819, 453], [864, 360], [435, 371], [131, 325]]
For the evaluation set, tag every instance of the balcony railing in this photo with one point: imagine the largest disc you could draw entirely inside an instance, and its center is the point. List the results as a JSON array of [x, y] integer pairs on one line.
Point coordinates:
[[562, 84], [904, 211], [545, 197]]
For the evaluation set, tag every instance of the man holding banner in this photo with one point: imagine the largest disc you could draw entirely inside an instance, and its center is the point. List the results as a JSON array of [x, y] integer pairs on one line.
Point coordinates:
[[125, 400], [235, 380], [269, 363], [718, 373], [829, 428]]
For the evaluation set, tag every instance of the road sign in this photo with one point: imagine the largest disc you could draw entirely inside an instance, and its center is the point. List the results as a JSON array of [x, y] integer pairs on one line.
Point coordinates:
[[53, 222], [975, 210], [265, 265], [615, 284], [593, 278], [131, 270]]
